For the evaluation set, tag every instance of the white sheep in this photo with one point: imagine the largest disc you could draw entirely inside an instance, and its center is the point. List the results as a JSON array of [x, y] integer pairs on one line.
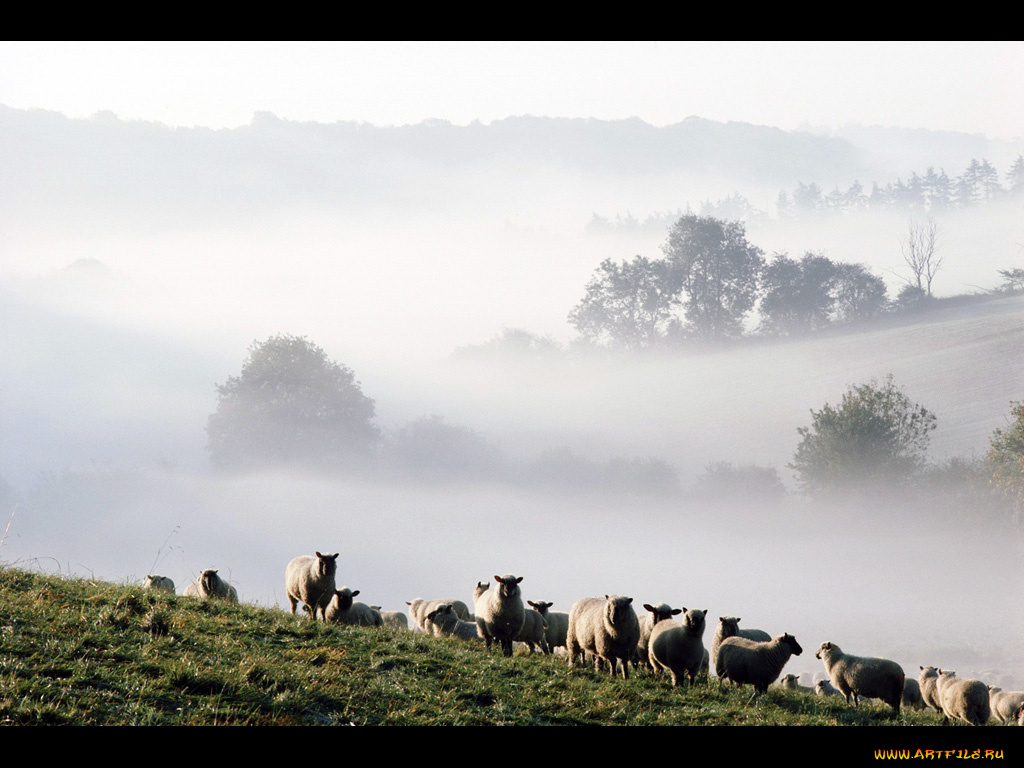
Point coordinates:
[[607, 628], [825, 688], [558, 623], [679, 646], [500, 613], [756, 662], [965, 699], [310, 580], [447, 622], [729, 626], [534, 631], [791, 682], [863, 676], [344, 610], [159, 583], [209, 585], [928, 682], [419, 608], [1004, 705], [655, 613], [393, 619]]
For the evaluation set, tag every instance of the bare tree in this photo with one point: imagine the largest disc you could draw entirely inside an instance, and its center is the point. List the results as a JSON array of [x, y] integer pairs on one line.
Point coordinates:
[[919, 253]]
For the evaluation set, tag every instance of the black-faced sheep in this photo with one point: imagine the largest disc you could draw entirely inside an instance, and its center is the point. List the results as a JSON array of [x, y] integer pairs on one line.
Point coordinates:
[[655, 613], [759, 663], [863, 676], [679, 646], [310, 580], [558, 623], [607, 628], [500, 613], [965, 699], [211, 586], [159, 583], [342, 609]]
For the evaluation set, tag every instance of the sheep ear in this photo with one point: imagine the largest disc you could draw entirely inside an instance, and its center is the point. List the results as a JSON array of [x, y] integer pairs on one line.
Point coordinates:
[[354, 593], [519, 579], [649, 608], [497, 578], [677, 611]]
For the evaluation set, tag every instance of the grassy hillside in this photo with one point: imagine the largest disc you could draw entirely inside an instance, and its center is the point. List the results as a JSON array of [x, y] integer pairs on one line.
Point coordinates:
[[81, 652]]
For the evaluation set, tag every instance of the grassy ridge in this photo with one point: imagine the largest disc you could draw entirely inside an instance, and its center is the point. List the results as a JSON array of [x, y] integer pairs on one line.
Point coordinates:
[[74, 651]]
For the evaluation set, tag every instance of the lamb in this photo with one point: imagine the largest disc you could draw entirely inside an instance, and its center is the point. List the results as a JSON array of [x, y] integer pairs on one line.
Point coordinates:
[[756, 662], [791, 682], [965, 700], [679, 648], [825, 688], [912, 694], [534, 631], [343, 610], [310, 580], [928, 681], [419, 608], [558, 624], [159, 583], [655, 613], [209, 585], [729, 626], [863, 676], [605, 627], [1004, 705], [447, 622], [500, 614]]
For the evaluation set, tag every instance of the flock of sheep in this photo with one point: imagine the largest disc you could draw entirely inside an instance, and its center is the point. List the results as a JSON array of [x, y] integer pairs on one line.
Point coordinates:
[[609, 630]]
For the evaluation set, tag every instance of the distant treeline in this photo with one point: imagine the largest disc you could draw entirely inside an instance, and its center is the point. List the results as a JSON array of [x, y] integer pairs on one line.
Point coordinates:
[[932, 192]]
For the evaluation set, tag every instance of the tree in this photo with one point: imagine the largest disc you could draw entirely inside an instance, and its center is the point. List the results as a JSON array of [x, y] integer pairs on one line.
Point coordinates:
[[1013, 280], [797, 295], [291, 404], [628, 305], [875, 436], [919, 253], [712, 262], [858, 295], [1005, 459]]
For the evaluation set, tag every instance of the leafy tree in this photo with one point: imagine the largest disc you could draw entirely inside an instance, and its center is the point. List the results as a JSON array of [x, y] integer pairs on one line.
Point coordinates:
[[431, 448], [1006, 458], [712, 262], [291, 404], [797, 295], [858, 294], [875, 436], [628, 305]]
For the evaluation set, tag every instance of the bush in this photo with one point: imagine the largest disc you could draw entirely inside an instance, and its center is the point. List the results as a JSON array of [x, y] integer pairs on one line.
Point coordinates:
[[722, 480], [876, 436], [1005, 459]]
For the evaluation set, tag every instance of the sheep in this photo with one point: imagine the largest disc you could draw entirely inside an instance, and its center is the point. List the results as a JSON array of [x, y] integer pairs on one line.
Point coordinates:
[[393, 619], [419, 608], [655, 613], [159, 583], [310, 580], [927, 681], [912, 694], [863, 676], [447, 622], [209, 585], [791, 682], [1004, 705], [343, 610], [534, 631], [558, 624], [825, 689], [679, 648], [965, 700], [756, 662], [605, 627], [500, 614], [728, 626]]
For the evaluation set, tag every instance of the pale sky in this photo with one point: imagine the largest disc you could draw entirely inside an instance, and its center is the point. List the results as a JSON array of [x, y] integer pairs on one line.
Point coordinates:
[[970, 87]]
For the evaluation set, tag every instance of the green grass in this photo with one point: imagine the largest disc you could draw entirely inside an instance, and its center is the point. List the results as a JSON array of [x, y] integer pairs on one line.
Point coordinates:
[[81, 652]]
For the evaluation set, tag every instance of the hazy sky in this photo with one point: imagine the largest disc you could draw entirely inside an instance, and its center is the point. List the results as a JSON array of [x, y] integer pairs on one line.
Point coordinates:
[[972, 87]]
